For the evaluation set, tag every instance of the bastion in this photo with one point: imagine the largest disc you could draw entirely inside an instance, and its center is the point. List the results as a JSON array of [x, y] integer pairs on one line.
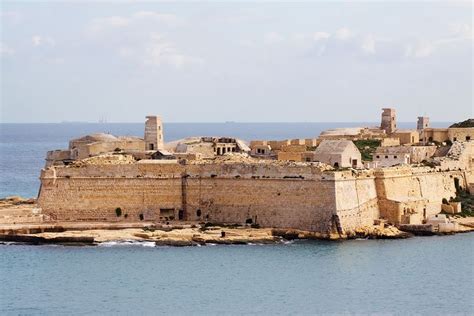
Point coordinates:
[[301, 196]]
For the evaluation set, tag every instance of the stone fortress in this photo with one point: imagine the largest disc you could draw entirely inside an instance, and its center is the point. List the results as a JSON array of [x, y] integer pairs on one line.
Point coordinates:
[[326, 185]]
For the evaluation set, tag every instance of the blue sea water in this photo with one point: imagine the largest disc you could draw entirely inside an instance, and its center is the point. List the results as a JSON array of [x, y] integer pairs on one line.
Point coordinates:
[[418, 276], [422, 276]]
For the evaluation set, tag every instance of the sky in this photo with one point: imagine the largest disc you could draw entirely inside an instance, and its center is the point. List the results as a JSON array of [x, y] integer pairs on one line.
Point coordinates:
[[235, 61]]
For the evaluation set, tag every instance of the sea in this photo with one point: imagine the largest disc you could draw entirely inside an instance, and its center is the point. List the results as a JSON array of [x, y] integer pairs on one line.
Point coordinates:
[[416, 276]]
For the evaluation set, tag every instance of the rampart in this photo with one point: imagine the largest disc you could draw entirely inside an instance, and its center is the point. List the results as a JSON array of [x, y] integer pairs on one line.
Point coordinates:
[[299, 196]]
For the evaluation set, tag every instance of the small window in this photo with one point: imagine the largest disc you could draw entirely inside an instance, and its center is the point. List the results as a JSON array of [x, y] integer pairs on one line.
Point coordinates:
[[377, 156], [468, 138], [386, 157], [455, 139], [395, 157]]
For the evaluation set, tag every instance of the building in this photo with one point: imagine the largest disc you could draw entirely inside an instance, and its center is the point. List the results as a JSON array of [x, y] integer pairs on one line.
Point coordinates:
[[423, 122], [339, 154], [262, 151], [452, 134], [402, 155], [392, 156], [153, 133], [208, 147], [389, 120], [102, 143], [407, 136]]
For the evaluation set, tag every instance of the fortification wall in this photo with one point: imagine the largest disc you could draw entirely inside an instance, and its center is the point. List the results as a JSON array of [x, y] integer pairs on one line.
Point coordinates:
[[356, 199], [416, 191], [287, 196], [269, 195]]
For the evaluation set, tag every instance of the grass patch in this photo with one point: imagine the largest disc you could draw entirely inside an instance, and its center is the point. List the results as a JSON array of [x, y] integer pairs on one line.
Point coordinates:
[[367, 148]]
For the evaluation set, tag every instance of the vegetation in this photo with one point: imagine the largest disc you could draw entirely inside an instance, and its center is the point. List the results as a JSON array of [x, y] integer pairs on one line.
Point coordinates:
[[118, 211], [464, 124], [367, 148], [467, 203]]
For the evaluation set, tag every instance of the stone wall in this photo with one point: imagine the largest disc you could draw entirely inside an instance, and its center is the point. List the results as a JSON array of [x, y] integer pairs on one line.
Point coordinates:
[[414, 191], [289, 195], [271, 196]]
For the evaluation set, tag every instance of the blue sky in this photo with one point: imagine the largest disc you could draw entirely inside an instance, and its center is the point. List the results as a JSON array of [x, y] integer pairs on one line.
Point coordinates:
[[228, 61]]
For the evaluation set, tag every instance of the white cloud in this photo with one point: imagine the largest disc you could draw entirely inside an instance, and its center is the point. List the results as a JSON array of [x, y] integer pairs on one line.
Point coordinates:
[[101, 24], [420, 50], [273, 38], [5, 50], [462, 30], [159, 52], [38, 40], [344, 34], [368, 45], [98, 25], [167, 19], [11, 16], [317, 36]]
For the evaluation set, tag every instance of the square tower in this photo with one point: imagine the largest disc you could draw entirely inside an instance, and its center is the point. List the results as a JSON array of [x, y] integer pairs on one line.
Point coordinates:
[[153, 133], [389, 120], [423, 122]]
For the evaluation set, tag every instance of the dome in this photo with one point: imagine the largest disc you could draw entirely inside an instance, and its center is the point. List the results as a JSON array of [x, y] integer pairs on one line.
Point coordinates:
[[97, 137]]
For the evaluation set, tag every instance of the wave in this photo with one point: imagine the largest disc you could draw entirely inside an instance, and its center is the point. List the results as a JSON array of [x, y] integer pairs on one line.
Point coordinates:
[[119, 243]]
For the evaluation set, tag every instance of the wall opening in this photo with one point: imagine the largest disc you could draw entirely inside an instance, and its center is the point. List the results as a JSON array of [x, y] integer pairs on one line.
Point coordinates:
[[152, 147], [167, 213], [457, 185], [181, 215], [354, 163]]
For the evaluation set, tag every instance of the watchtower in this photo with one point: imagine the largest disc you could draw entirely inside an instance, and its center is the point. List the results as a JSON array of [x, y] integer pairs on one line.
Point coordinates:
[[153, 133], [423, 122], [389, 120]]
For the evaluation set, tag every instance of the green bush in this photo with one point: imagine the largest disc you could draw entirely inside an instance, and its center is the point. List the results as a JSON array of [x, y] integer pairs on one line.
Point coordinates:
[[367, 147]]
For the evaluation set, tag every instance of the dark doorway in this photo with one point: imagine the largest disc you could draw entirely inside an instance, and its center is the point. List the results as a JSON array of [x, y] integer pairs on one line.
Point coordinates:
[[354, 163], [181, 215]]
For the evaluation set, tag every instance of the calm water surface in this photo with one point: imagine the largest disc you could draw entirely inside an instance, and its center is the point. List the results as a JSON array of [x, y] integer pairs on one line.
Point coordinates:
[[424, 276]]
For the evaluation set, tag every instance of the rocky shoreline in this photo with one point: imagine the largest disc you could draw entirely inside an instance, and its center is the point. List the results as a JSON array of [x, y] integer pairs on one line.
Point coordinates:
[[20, 223]]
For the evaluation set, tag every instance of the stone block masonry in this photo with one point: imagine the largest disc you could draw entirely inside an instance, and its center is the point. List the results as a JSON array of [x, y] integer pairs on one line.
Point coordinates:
[[298, 196]]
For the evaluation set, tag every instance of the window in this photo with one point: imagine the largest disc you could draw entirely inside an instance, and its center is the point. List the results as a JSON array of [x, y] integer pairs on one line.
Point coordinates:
[[395, 157], [386, 157], [455, 138], [152, 146], [468, 138]]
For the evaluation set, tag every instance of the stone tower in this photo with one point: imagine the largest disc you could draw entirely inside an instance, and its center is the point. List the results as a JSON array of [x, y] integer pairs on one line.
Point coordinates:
[[389, 120], [153, 133], [423, 122]]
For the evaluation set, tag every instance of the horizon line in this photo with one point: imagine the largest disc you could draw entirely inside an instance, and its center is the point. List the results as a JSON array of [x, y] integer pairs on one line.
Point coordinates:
[[213, 122]]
